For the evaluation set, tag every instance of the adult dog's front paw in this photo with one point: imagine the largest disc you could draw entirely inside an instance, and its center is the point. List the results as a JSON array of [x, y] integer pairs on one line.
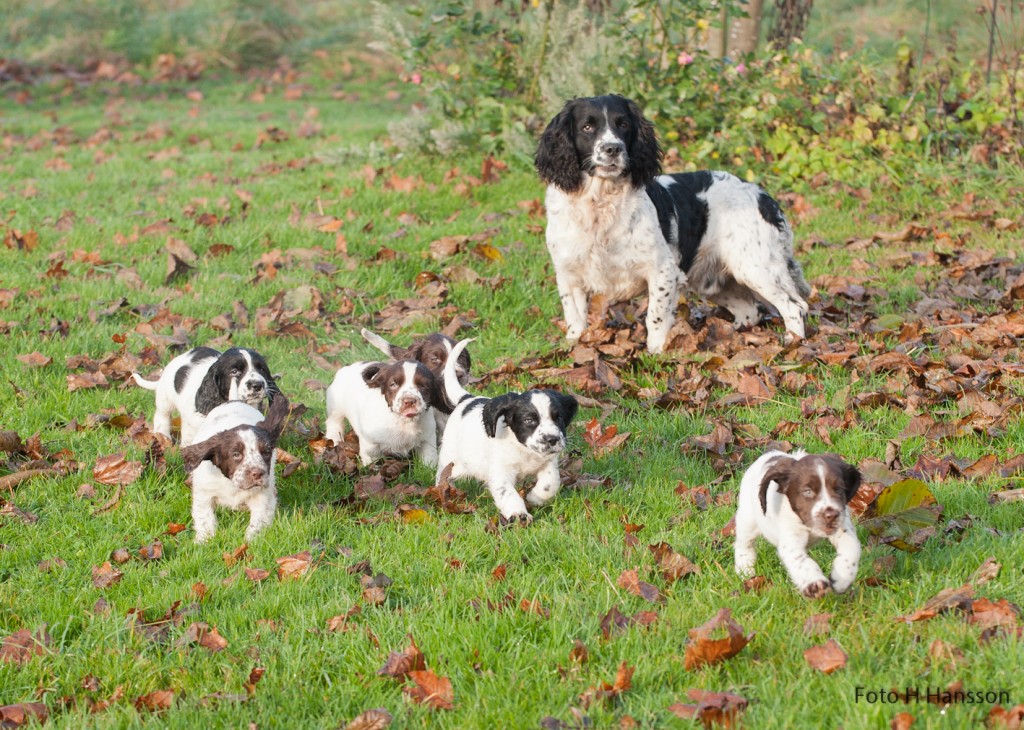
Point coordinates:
[[817, 589]]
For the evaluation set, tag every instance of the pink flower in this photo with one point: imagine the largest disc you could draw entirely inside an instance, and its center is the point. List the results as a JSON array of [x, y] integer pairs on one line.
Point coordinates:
[[741, 68], [685, 59], [416, 78]]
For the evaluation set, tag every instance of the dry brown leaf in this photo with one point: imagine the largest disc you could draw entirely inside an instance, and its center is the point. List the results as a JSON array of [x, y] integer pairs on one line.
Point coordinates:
[[817, 624], [902, 721], [400, 664], [431, 690], [23, 713], [673, 565], [236, 555], [294, 566], [703, 649], [114, 469], [579, 654], [106, 575], [152, 552], [630, 580], [827, 657], [157, 701], [376, 719], [711, 708], [22, 645], [605, 692], [256, 574], [945, 600]]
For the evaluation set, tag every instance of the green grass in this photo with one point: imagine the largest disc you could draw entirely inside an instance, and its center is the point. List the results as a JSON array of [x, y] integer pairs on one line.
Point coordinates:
[[509, 668]]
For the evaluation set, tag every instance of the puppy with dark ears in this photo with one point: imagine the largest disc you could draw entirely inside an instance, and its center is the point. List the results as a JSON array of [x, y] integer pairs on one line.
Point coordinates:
[[196, 382], [794, 501], [232, 465], [502, 440], [390, 406]]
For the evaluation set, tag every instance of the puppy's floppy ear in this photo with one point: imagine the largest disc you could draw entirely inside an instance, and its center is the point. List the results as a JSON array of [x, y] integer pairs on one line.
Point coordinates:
[[849, 475], [276, 418], [438, 397], [497, 408], [779, 471], [566, 405], [215, 387], [557, 161], [381, 344], [645, 152], [197, 453], [371, 373]]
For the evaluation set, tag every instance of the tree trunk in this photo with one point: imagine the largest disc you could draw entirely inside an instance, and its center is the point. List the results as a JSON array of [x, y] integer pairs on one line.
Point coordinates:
[[738, 35], [790, 21]]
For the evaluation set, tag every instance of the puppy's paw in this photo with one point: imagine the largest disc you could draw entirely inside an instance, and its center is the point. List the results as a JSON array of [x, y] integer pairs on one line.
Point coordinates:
[[817, 589], [516, 518]]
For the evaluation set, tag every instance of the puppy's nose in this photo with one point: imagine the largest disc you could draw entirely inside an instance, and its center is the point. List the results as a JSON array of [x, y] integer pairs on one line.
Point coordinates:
[[613, 149], [409, 400], [256, 474], [551, 440], [831, 516], [255, 386]]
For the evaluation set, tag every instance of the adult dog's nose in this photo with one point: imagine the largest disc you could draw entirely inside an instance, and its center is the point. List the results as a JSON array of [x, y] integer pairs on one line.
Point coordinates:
[[613, 149]]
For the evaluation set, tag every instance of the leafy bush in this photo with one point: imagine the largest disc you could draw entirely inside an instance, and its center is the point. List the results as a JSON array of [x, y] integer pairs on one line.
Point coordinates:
[[493, 77]]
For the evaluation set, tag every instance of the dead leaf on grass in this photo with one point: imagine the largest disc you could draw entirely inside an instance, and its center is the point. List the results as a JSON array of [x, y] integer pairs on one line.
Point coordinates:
[[106, 575], [400, 664], [711, 708], [376, 719], [114, 469], [431, 690], [703, 649], [827, 657], [608, 693], [22, 645]]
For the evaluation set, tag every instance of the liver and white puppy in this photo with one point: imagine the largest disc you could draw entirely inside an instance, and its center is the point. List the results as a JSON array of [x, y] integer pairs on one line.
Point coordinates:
[[199, 380], [618, 227], [796, 500], [433, 351], [390, 407], [501, 440], [232, 465]]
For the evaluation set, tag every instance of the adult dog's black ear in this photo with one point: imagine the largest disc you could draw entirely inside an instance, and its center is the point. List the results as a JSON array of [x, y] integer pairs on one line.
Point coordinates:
[[197, 453], [565, 405], [495, 409], [779, 471], [850, 476], [215, 388], [645, 153], [371, 374], [556, 159], [277, 416]]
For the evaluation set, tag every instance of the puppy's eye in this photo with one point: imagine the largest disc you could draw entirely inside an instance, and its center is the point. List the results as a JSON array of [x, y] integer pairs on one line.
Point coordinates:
[[808, 492], [435, 358], [530, 421], [622, 124], [392, 386], [235, 372], [587, 127], [236, 455]]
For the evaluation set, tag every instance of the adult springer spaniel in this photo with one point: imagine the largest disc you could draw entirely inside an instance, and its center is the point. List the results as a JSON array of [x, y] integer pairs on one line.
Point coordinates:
[[617, 226]]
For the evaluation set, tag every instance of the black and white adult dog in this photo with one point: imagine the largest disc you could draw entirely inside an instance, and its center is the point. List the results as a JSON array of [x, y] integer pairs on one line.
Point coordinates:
[[617, 226], [232, 465], [501, 440], [199, 380], [793, 500]]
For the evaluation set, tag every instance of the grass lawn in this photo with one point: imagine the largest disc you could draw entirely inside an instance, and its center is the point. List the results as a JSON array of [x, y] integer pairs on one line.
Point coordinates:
[[305, 227]]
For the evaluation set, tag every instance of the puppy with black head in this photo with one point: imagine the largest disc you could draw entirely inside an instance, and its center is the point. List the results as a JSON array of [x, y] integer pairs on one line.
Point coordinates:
[[793, 501], [232, 465], [502, 440], [390, 406], [196, 382]]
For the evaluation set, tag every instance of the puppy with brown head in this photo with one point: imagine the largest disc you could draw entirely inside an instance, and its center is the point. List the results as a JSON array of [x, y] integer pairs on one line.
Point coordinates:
[[433, 351], [390, 406], [232, 465], [793, 501]]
